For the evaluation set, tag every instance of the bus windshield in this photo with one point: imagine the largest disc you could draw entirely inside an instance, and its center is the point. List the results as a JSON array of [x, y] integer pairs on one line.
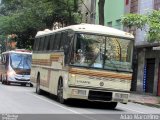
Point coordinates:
[[103, 52], [21, 61]]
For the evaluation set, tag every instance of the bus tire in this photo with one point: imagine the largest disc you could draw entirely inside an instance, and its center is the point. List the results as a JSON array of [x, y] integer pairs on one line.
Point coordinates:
[[31, 85], [3, 82], [7, 82], [38, 90], [60, 92]]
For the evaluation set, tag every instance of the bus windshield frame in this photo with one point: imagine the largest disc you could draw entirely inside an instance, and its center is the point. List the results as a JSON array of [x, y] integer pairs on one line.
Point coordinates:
[[102, 52]]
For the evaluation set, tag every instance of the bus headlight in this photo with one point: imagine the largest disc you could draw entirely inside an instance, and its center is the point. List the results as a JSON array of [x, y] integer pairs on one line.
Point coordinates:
[[79, 92], [11, 73], [72, 79]]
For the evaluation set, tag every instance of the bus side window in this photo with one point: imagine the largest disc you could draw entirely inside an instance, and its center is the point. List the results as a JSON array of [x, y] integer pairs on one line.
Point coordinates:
[[63, 39], [36, 44], [41, 45], [49, 42], [52, 41], [68, 46], [57, 41], [46, 39]]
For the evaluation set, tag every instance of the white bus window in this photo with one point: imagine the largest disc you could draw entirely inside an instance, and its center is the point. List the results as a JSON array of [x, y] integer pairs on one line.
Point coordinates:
[[36, 43], [51, 41], [63, 39], [46, 43], [57, 41], [41, 45]]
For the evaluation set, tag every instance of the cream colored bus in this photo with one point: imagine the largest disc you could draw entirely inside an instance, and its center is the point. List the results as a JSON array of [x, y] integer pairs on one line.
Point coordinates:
[[84, 61]]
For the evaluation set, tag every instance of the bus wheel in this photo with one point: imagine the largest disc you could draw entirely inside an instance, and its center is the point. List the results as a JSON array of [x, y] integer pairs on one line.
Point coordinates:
[[7, 82], [111, 105], [60, 92], [3, 82], [31, 85], [38, 90]]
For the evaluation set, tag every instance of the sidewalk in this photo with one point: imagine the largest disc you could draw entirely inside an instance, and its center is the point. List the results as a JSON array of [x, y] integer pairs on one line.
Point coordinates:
[[145, 99]]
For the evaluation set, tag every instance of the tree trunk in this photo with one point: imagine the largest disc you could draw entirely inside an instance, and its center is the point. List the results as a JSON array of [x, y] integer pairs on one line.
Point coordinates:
[[101, 11]]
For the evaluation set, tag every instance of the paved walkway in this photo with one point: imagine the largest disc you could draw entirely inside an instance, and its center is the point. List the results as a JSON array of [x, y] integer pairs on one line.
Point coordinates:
[[145, 99]]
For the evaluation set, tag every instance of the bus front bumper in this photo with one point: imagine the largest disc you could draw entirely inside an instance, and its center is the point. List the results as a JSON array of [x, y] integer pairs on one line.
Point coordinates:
[[97, 95], [18, 80]]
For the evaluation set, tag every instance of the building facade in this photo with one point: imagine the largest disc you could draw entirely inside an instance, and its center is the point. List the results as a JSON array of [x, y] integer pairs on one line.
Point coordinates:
[[147, 71], [146, 62], [113, 12], [87, 9]]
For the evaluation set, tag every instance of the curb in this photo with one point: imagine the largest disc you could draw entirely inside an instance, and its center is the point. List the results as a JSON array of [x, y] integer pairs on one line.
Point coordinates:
[[147, 104]]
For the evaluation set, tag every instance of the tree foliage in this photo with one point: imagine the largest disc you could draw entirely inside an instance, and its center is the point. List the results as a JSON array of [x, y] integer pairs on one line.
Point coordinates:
[[150, 21], [26, 17]]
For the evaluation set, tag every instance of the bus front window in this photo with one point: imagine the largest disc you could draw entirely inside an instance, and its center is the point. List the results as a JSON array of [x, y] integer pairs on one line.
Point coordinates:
[[21, 61], [103, 52], [88, 51]]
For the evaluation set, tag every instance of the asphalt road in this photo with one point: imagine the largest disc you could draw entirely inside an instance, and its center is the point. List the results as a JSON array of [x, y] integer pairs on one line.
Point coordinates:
[[16, 99]]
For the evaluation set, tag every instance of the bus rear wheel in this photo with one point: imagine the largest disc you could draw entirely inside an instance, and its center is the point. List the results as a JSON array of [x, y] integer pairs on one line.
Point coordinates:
[[60, 92], [38, 90]]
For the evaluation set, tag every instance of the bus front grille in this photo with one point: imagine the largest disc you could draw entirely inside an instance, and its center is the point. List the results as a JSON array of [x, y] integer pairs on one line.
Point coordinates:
[[22, 79], [99, 95]]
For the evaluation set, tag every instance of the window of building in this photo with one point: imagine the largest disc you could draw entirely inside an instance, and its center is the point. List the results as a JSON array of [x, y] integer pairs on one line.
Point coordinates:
[[118, 24], [109, 24]]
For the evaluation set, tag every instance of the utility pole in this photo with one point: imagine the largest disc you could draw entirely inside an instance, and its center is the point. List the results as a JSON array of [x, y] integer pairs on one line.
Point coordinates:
[[101, 4]]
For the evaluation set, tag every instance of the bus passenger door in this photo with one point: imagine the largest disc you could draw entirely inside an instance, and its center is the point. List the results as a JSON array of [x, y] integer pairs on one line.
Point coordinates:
[[3, 66]]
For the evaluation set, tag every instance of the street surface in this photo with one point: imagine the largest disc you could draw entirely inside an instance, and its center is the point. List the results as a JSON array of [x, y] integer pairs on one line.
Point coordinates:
[[16, 99]]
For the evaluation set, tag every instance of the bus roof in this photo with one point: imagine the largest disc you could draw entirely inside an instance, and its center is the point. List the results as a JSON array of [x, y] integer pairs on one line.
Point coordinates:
[[20, 51], [90, 28]]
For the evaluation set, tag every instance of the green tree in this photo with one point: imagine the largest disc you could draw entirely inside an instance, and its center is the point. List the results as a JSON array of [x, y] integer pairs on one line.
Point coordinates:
[[149, 23], [26, 17]]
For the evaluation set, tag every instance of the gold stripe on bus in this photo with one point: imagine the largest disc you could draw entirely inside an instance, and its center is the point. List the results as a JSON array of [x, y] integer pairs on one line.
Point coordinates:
[[100, 73], [41, 62], [56, 55]]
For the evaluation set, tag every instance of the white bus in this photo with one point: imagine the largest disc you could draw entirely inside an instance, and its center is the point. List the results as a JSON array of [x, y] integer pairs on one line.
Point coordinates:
[[16, 66], [84, 61]]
